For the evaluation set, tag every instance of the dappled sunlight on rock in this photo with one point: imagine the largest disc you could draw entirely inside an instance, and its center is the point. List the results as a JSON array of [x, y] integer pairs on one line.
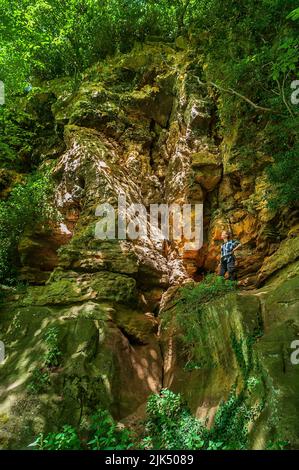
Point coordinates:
[[142, 126]]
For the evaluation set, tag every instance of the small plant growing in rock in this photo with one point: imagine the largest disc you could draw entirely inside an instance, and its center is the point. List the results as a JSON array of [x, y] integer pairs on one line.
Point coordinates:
[[40, 378], [210, 288], [51, 358], [39, 381]]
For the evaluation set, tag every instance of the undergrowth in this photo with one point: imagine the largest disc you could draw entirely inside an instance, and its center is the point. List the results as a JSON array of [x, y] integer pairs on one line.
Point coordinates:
[[169, 425], [28, 204]]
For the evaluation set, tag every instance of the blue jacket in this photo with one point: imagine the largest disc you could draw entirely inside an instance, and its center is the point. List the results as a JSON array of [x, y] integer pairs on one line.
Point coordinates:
[[227, 249]]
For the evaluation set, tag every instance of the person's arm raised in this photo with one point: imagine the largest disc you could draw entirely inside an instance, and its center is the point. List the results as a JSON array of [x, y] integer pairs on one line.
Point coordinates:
[[238, 246]]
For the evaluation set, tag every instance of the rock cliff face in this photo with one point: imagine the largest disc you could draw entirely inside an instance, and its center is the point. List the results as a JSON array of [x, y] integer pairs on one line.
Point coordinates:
[[143, 125], [245, 339]]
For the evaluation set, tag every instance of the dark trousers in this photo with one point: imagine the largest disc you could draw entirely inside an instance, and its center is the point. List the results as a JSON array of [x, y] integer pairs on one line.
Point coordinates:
[[229, 266]]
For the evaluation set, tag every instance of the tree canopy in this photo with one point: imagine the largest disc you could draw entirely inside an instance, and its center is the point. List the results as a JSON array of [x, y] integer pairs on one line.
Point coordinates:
[[248, 50]]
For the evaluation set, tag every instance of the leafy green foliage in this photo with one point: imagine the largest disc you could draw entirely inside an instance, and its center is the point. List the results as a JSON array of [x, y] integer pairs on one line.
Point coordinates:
[[170, 424], [250, 50], [39, 381], [211, 287], [104, 435], [51, 358], [15, 136], [67, 439], [287, 58], [232, 420], [28, 204], [283, 144], [49, 38], [243, 353], [247, 49], [294, 15], [277, 445], [40, 377], [189, 310], [285, 176]]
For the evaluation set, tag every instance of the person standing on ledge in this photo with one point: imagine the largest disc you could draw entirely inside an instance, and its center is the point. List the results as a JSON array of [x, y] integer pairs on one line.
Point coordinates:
[[228, 260]]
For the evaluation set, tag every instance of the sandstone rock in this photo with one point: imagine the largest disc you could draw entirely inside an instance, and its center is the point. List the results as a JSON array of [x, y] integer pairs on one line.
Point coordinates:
[[103, 255], [242, 332], [38, 251], [207, 169], [287, 252], [226, 194], [102, 365], [245, 230], [65, 289], [140, 125], [196, 116]]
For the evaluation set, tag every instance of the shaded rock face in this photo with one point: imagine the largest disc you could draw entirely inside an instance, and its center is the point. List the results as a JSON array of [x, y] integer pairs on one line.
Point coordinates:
[[110, 360], [38, 252], [246, 342], [140, 126]]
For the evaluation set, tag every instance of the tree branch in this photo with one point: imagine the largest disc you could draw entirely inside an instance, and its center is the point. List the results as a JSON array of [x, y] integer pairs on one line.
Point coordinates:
[[233, 92], [281, 89]]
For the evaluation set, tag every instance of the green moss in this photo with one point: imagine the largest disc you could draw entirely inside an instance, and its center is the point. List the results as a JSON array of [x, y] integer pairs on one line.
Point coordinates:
[[78, 288], [287, 252], [192, 321], [135, 325]]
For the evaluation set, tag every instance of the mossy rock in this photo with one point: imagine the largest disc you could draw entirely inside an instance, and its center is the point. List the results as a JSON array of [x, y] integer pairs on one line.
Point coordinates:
[[98, 367], [102, 255], [287, 253], [245, 337], [79, 288]]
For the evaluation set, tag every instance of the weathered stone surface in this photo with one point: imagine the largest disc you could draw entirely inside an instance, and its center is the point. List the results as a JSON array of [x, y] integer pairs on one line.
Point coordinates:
[[65, 289], [141, 125], [38, 252], [267, 319], [207, 169], [287, 252], [109, 358], [197, 117]]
